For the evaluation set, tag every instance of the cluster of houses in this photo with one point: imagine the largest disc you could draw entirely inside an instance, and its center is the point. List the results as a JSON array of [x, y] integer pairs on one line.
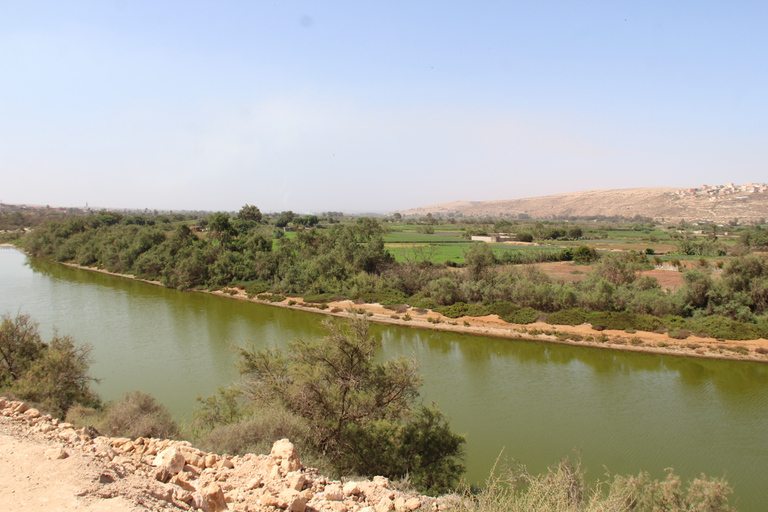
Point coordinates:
[[722, 190]]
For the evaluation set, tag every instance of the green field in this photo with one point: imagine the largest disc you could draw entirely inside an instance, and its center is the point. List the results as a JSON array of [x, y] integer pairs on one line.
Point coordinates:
[[454, 251]]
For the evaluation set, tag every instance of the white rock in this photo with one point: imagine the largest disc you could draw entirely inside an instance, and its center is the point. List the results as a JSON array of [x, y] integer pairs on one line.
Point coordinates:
[[351, 489], [333, 493], [56, 453], [171, 458]]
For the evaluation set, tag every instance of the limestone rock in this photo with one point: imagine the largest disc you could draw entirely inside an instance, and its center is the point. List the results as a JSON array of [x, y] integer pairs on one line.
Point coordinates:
[[412, 503], [284, 451], [56, 453], [351, 489], [333, 493], [213, 499], [296, 481], [171, 459], [32, 413], [385, 505], [295, 501]]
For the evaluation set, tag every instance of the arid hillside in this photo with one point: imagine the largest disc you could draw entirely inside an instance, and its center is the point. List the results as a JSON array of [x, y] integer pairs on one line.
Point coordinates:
[[719, 204]]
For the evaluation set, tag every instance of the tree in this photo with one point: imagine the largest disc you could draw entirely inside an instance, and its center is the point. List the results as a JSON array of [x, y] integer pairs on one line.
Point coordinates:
[[20, 344], [574, 232], [249, 212], [54, 374], [502, 226], [352, 404], [284, 219], [220, 227]]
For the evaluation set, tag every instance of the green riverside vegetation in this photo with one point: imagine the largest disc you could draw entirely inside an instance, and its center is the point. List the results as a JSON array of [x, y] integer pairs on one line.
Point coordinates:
[[323, 259]]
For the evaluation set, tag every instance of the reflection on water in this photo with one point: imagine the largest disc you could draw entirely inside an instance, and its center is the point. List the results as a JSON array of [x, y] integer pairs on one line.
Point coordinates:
[[538, 402]]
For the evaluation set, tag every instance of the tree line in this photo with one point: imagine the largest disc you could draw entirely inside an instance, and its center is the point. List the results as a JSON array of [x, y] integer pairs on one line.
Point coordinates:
[[350, 260]]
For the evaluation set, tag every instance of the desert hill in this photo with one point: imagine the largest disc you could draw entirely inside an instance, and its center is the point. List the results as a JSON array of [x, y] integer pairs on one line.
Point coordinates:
[[720, 204]]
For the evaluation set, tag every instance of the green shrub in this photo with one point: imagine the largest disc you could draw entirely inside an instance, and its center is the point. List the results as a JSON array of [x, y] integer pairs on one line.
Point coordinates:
[[256, 433], [271, 297], [321, 298], [622, 320], [679, 334], [417, 301], [717, 326], [53, 375], [460, 309], [573, 316], [512, 313], [136, 414], [584, 254]]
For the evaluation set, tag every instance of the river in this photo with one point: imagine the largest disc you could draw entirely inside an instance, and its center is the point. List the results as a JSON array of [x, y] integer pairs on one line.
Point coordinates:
[[537, 402]]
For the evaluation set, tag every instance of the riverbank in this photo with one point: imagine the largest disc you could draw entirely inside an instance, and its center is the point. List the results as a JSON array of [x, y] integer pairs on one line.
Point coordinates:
[[492, 326]]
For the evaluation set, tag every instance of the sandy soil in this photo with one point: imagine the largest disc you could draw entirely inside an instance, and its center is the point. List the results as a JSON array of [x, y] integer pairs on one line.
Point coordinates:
[[569, 272], [31, 482]]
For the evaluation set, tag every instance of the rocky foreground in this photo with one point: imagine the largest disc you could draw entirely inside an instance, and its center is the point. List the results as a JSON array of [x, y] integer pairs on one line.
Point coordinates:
[[42, 458]]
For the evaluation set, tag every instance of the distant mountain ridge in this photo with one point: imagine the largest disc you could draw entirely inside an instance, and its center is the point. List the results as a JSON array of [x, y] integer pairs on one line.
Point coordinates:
[[720, 204]]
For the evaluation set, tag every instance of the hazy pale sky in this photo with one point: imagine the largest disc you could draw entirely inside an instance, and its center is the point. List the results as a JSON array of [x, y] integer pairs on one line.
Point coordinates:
[[375, 105]]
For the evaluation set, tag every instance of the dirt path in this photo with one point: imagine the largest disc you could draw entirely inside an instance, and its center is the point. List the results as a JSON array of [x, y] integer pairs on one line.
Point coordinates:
[[31, 481]]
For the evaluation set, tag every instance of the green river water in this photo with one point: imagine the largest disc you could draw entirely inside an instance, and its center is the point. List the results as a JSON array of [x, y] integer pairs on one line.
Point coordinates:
[[624, 412]]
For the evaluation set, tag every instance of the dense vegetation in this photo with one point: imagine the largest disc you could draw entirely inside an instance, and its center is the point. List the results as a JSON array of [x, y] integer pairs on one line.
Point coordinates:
[[350, 260]]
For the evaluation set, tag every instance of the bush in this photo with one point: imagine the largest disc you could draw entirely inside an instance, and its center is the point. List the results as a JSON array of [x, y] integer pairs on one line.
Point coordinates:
[[256, 432], [584, 254], [271, 297], [563, 488], [53, 375], [254, 289], [573, 316], [623, 320], [717, 326], [513, 314], [137, 414], [344, 396], [460, 309]]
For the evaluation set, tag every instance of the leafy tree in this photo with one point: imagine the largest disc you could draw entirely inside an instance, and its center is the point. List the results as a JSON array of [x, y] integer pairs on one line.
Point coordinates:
[[502, 226], [574, 232], [20, 344], [477, 257], [352, 403], [220, 227], [54, 374], [250, 212], [284, 219]]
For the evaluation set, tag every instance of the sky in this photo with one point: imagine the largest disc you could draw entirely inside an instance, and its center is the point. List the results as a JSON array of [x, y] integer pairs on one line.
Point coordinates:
[[374, 106]]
